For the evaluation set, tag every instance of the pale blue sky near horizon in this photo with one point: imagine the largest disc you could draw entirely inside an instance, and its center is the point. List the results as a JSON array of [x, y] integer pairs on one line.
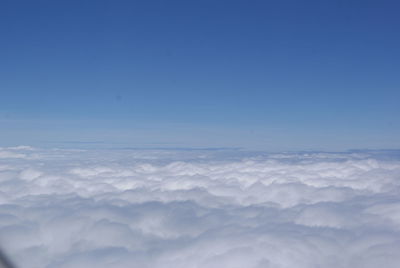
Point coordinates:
[[273, 75]]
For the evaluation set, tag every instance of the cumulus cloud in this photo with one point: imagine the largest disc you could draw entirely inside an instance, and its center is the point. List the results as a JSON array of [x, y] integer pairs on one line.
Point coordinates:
[[132, 208]]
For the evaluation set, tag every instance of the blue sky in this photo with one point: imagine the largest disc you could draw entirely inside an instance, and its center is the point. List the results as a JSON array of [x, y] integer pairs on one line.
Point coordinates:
[[271, 75]]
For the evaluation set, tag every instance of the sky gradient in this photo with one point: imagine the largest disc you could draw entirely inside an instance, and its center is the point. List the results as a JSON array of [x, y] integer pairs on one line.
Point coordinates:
[[271, 75]]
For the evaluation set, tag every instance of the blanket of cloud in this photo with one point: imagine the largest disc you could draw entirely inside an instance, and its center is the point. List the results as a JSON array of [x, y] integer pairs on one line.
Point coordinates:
[[194, 208]]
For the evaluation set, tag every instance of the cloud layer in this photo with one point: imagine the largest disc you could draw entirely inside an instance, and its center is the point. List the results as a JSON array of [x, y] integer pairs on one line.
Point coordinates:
[[131, 208]]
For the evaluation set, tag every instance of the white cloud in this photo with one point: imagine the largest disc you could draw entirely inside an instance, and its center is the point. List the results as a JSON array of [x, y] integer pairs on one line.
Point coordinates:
[[10, 154], [127, 208]]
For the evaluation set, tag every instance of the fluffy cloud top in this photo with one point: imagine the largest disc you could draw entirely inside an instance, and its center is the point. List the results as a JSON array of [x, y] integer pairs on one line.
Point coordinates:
[[129, 208]]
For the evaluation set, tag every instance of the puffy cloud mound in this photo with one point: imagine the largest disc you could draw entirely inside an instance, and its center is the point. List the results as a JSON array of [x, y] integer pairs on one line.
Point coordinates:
[[184, 209]]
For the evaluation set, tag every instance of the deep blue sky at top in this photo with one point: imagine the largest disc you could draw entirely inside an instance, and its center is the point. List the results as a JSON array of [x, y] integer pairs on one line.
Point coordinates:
[[266, 74]]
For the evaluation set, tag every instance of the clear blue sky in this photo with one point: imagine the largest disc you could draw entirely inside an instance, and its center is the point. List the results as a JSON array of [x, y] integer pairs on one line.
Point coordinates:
[[274, 75]]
